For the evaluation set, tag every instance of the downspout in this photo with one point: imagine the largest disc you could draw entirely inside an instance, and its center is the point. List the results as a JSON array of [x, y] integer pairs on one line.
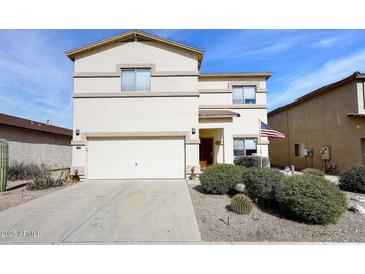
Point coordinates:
[[363, 94], [287, 128]]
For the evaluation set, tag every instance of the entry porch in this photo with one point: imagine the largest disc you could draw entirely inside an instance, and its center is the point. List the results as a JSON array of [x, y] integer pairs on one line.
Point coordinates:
[[220, 143], [216, 137]]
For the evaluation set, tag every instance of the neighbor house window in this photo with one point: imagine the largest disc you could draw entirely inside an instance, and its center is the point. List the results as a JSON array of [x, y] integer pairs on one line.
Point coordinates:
[[136, 79], [298, 150], [244, 146], [244, 95]]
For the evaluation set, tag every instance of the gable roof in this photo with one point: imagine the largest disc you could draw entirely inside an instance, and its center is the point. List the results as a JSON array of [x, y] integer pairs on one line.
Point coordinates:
[[18, 122], [329, 87], [133, 34]]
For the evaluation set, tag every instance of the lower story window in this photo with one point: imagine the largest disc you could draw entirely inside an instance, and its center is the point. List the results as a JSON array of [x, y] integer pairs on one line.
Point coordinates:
[[244, 146], [298, 150]]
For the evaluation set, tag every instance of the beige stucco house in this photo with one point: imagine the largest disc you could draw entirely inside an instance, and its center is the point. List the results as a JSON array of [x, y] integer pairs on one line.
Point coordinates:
[[142, 109], [35, 142], [324, 129]]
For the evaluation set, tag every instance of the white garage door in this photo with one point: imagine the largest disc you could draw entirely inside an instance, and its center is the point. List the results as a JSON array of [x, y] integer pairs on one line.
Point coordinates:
[[136, 158]]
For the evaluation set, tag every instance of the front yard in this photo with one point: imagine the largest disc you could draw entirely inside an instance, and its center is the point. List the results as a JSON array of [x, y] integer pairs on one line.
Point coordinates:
[[259, 226], [16, 193], [246, 203], [26, 182]]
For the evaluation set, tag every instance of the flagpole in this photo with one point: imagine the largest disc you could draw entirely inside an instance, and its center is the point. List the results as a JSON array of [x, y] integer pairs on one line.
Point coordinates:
[[260, 143]]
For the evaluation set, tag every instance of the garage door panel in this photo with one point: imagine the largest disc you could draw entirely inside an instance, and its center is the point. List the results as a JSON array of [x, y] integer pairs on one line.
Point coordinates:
[[136, 158]]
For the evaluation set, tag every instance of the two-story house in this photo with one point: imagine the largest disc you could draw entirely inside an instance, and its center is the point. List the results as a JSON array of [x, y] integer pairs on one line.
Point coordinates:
[[324, 129], [142, 109]]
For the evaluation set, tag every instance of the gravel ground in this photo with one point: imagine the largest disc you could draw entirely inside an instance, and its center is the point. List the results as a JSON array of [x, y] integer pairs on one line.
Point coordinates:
[[16, 194], [259, 226]]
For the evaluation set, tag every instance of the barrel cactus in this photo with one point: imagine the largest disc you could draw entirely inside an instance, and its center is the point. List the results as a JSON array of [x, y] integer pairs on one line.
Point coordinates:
[[3, 164], [241, 204]]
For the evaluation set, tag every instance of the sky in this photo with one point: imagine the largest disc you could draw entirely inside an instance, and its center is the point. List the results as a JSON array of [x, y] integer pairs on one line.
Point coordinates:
[[36, 76]]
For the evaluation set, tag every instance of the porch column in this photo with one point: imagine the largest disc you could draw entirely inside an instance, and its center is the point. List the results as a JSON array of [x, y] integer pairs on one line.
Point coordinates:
[[228, 143]]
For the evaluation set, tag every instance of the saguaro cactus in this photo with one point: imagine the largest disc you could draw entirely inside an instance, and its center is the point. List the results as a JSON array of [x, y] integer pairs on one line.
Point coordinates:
[[3, 164]]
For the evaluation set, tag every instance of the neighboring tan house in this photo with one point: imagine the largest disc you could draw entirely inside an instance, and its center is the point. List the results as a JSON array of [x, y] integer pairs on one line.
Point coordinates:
[[324, 129], [34, 142], [142, 109]]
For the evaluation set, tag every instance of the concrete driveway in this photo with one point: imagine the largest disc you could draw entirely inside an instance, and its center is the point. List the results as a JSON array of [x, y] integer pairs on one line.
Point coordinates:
[[105, 212]]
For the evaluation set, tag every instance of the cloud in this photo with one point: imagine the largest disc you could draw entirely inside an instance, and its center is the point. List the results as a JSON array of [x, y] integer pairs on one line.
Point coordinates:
[[246, 46], [331, 71], [249, 44], [267, 50], [335, 39], [173, 34], [165, 32], [35, 76], [327, 42]]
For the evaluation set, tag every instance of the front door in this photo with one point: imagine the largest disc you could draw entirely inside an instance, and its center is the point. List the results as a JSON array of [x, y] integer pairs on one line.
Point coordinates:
[[206, 151]]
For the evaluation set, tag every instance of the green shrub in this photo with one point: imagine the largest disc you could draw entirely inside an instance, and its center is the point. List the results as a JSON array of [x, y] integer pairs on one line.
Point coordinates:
[[44, 182], [259, 182], [251, 161], [311, 199], [22, 171], [221, 178], [353, 179], [39, 175], [241, 204], [313, 171]]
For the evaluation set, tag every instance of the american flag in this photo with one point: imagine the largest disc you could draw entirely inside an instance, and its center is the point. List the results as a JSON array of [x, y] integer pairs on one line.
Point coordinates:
[[267, 131]]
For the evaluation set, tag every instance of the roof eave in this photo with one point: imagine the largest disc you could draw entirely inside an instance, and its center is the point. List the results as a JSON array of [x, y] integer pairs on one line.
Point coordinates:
[[73, 53], [216, 117], [319, 91], [17, 122], [355, 115], [211, 114], [267, 75]]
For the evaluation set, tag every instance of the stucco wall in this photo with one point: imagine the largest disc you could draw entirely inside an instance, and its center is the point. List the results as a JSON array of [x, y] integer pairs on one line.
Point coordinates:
[[166, 58], [217, 91], [136, 114], [142, 113], [213, 83], [318, 122], [279, 149], [158, 84], [172, 71], [215, 98], [123, 115], [33, 146]]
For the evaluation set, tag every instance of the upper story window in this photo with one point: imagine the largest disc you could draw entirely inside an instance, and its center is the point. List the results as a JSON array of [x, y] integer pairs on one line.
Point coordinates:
[[136, 79], [244, 95]]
